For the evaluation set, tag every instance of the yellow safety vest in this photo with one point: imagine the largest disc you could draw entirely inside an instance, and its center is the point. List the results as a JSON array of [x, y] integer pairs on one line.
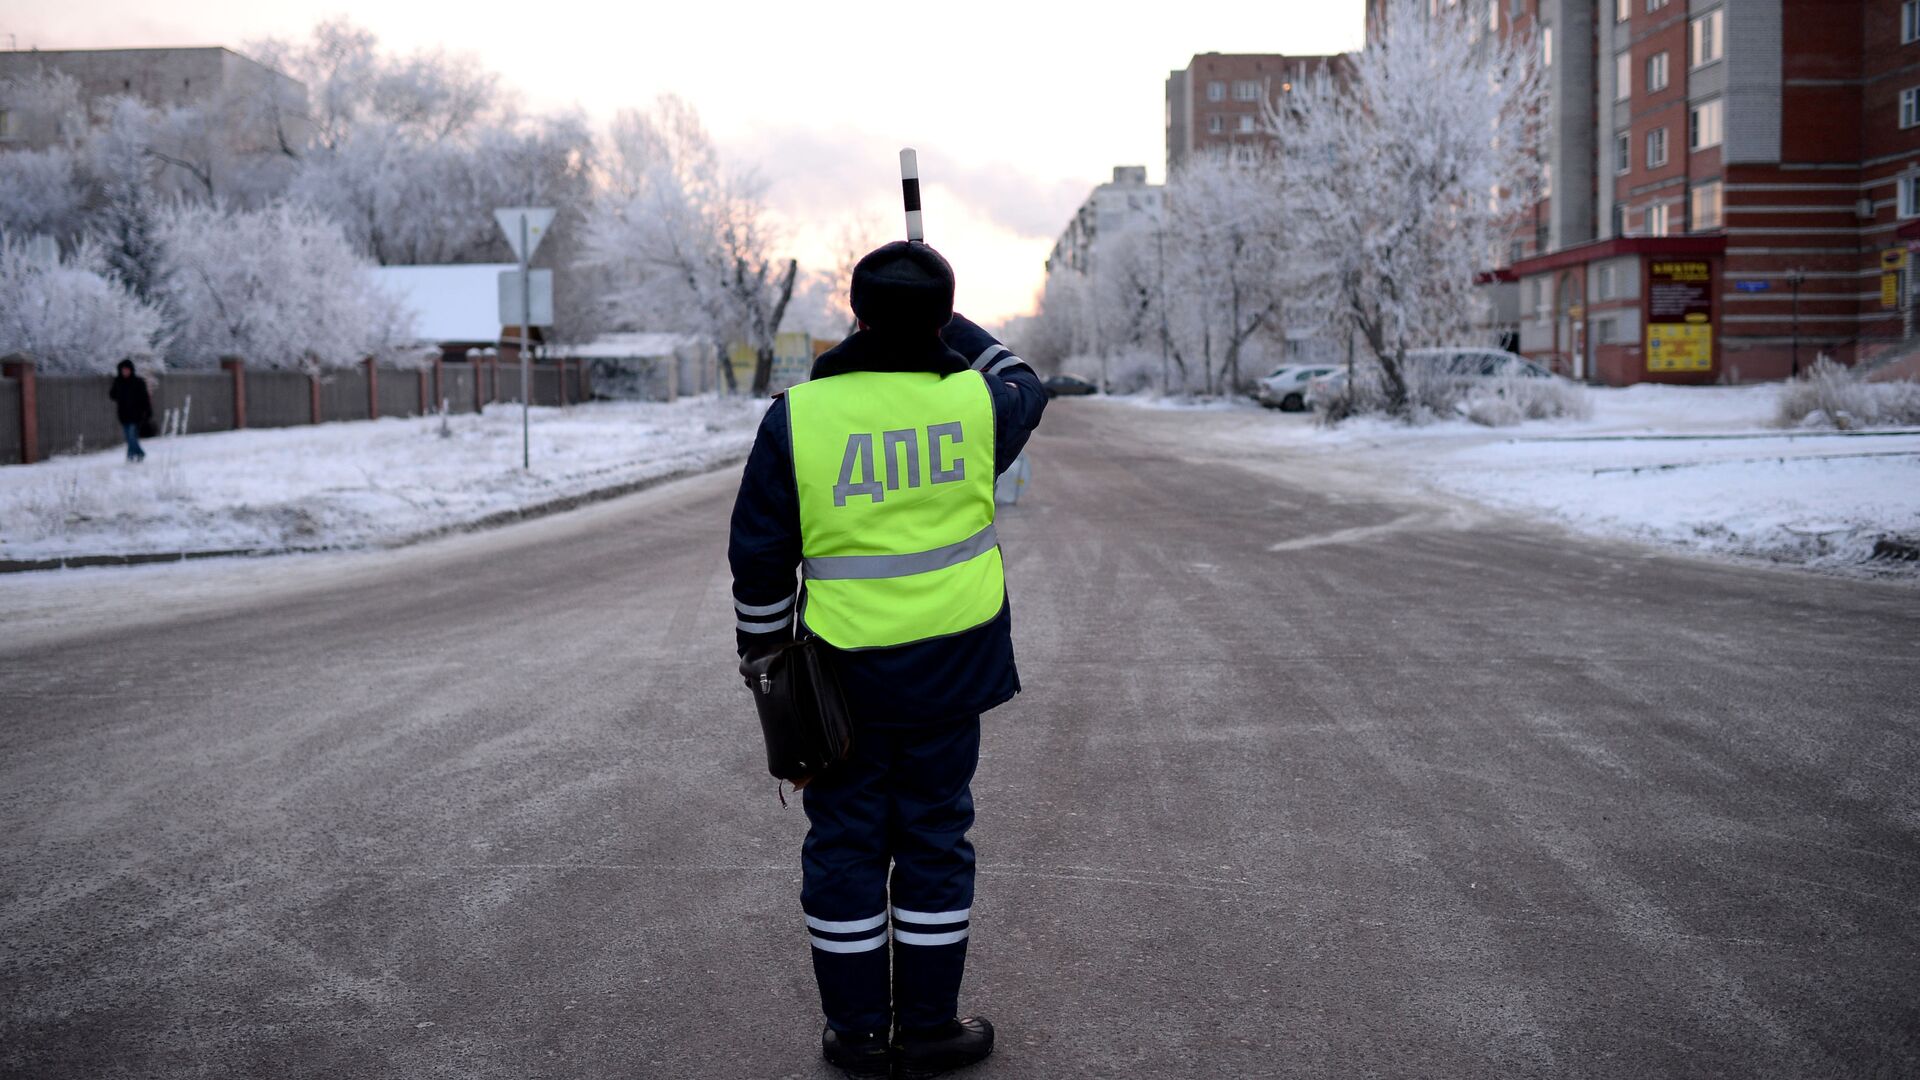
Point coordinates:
[[895, 475]]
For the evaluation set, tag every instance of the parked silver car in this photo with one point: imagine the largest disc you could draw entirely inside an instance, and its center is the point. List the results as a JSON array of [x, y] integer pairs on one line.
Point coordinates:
[[1286, 388]]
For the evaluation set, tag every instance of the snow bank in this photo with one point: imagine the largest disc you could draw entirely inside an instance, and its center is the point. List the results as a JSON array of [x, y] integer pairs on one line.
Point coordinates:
[[352, 484], [1705, 469], [1815, 501]]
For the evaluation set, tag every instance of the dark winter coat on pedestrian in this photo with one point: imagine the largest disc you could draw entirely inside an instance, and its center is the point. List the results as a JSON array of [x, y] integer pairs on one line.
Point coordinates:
[[130, 398], [961, 675]]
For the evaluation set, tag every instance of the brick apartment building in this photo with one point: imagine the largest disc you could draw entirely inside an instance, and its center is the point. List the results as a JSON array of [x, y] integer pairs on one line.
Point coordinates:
[[1730, 186], [1216, 101]]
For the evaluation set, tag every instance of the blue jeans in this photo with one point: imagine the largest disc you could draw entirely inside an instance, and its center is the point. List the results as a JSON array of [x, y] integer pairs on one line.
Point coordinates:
[[132, 431]]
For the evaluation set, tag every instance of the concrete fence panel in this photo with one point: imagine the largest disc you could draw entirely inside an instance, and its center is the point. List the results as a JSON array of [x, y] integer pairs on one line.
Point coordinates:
[[399, 391], [203, 398], [546, 384], [508, 387], [343, 394], [456, 387], [278, 399], [9, 422], [77, 416]]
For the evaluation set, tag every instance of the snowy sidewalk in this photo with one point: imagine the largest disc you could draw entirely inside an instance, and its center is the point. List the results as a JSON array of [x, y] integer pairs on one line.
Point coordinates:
[[353, 485], [1698, 468]]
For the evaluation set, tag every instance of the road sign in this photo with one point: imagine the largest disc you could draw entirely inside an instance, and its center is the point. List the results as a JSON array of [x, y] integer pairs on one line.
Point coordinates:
[[1893, 258], [1751, 286], [537, 219], [541, 287], [1889, 290]]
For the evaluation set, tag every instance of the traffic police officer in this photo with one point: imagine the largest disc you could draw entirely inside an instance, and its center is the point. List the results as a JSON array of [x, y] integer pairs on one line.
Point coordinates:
[[875, 480]]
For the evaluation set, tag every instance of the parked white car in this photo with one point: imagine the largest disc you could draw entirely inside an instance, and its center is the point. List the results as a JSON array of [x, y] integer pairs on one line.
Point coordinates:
[[1286, 388]]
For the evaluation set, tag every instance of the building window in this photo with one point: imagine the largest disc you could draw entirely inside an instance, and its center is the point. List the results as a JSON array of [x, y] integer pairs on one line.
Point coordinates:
[[1493, 14], [1657, 220], [1656, 72], [1216, 91], [1910, 22], [1622, 10], [1909, 188], [1546, 179], [1623, 77], [1604, 284], [1656, 148], [1216, 125], [1605, 331], [1703, 125], [1709, 37], [1623, 153], [1704, 211], [1246, 90], [1656, 5], [1546, 45], [1910, 107], [1246, 123]]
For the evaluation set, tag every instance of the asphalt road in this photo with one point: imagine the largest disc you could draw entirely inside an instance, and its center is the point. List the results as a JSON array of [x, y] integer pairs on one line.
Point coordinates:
[[1307, 781]]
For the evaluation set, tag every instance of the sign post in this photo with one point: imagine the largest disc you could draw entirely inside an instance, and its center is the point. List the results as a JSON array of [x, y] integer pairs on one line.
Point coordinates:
[[525, 227]]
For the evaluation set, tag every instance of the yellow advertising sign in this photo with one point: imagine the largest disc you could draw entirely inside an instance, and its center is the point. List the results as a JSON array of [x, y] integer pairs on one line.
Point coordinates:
[[1893, 258], [1889, 290], [1680, 346]]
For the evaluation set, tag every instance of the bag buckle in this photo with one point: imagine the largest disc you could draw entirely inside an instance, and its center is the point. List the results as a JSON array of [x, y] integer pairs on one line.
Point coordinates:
[[766, 684]]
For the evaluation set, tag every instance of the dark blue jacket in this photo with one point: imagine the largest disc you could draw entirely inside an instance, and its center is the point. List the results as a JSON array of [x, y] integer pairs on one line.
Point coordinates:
[[929, 680]]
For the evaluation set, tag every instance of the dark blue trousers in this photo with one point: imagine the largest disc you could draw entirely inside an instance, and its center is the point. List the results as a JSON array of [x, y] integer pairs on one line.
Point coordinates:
[[888, 844]]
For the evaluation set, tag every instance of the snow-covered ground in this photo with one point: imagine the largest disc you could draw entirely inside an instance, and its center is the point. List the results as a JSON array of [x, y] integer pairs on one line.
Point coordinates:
[[1700, 468], [352, 484]]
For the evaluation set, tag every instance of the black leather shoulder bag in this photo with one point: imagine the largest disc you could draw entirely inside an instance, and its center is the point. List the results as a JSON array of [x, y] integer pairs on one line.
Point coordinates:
[[802, 712]]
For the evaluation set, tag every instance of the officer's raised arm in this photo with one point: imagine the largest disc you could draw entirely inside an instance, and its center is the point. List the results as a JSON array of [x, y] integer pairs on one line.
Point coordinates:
[[1018, 397]]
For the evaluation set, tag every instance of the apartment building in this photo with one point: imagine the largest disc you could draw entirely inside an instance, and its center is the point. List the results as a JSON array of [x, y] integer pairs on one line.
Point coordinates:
[[1217, 101], [1126, 202], [258, 105], [1730, 187]]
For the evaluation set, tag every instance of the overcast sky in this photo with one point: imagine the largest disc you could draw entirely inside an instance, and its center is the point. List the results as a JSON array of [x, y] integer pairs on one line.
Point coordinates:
[[1017, 109]]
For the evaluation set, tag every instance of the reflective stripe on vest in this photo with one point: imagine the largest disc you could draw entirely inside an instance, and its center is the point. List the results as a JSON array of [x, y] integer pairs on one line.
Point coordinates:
[[895, 476]]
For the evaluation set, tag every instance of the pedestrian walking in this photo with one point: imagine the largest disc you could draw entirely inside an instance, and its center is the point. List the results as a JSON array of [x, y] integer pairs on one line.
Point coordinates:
[[135, 407], [875, 481]]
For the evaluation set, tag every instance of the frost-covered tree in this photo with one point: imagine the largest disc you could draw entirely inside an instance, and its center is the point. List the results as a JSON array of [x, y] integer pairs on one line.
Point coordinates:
[[680, 243], [126, 221], [42, 193], [70, 315], [1227, 268], [1401, 177], [280, 286]]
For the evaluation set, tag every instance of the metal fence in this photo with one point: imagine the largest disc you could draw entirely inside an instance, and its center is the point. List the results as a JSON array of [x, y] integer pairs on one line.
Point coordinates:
[[9, 410], [73, 413], [279, 399]]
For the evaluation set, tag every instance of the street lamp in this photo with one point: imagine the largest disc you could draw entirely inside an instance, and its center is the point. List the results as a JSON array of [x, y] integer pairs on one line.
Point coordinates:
[[1794, 277]]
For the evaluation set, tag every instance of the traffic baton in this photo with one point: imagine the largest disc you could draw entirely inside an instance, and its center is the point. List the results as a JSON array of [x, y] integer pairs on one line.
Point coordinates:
[[910, 194]]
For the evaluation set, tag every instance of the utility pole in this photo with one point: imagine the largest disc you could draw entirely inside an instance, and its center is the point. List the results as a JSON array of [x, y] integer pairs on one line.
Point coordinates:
[[1794, 277]]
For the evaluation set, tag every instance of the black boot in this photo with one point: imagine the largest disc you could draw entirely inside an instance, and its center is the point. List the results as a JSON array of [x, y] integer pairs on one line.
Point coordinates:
[[919, 1055], [862, 1057]]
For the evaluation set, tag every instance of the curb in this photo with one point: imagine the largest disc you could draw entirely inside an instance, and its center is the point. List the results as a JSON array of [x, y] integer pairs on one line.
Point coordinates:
[[490, 521]]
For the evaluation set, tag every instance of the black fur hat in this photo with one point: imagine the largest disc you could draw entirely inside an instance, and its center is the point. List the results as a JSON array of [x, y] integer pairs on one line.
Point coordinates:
[[903, 288]]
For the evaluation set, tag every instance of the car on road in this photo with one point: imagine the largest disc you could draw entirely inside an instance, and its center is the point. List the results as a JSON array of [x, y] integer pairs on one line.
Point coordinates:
[[1286, 388], [1467, 367], [1067, 386]]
